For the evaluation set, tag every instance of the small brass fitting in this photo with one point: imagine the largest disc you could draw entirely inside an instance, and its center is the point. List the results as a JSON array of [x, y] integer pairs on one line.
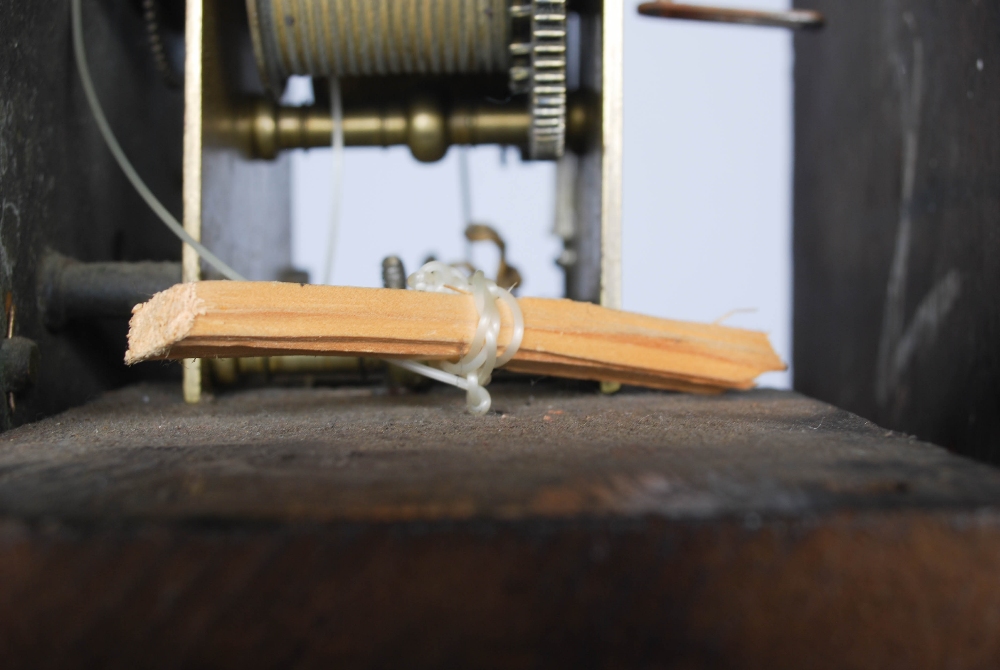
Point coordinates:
[[428, 133]]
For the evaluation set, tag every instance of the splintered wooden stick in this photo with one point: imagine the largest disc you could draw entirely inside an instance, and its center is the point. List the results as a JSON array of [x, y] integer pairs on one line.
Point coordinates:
[[561, 337]]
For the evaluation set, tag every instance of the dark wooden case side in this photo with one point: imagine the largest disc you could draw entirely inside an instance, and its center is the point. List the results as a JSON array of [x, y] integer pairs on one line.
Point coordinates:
[[897, 204], [60, 188]]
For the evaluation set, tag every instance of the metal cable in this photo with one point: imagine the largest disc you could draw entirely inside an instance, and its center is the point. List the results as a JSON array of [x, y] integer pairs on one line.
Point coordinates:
[[337, 178], [123, 162]]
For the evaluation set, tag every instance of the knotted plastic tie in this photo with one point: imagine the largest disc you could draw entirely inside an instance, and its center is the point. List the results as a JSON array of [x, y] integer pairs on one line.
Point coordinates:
[[472, 372]]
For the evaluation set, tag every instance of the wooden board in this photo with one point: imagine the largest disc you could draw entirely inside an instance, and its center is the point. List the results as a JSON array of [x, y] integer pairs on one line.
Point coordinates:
[[561, 337], [346, 527]]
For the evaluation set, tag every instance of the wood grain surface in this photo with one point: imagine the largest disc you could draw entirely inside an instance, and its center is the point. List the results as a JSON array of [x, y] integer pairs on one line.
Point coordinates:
[[561, 337]]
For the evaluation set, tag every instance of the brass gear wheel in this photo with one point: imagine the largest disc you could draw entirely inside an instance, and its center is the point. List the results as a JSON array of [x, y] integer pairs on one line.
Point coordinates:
[[538, 69]]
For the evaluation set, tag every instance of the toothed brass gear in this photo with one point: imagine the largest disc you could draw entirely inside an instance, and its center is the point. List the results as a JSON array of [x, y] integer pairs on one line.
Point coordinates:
[[538, 69]]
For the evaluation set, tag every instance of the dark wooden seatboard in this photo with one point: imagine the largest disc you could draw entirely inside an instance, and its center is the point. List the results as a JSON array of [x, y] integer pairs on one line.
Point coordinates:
[[319, 527]]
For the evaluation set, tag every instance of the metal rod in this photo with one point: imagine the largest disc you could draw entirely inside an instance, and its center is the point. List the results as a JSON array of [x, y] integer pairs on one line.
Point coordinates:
[[428, 126], [795, 18], [70, 290]]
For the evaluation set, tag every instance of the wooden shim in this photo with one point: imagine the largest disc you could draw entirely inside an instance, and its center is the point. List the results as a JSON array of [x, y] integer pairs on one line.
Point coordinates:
[[572, 339]]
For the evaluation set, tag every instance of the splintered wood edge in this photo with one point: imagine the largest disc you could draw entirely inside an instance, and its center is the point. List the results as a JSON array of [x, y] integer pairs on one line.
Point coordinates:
[[162, 321]]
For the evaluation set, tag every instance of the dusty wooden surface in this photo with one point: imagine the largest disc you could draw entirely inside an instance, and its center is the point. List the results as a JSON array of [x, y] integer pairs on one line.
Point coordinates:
[[309, 528], [328, 454]]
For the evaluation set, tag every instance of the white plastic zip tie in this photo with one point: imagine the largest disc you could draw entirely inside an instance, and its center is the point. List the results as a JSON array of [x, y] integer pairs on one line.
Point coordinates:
[[123, 162], [473, 371], [337, 181]]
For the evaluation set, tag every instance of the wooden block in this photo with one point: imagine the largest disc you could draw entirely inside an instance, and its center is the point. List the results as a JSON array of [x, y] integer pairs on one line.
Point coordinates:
[[561, 337]]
